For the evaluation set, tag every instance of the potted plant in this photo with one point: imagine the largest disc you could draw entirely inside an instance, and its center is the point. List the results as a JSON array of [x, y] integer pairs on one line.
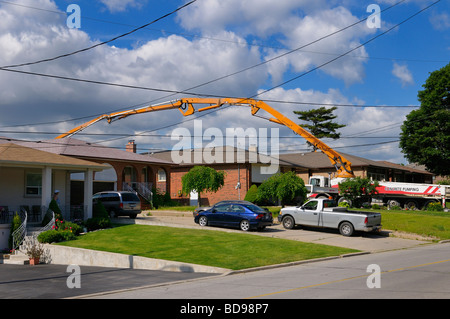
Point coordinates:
[[34, 250]]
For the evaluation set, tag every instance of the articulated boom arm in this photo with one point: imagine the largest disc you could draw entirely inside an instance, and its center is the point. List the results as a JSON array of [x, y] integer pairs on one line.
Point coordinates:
[[186, 107]]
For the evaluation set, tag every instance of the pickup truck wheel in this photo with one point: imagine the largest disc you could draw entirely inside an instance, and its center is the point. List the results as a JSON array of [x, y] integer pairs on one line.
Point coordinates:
[[288, 222], [346, 229], [244, 225], [203, 221]]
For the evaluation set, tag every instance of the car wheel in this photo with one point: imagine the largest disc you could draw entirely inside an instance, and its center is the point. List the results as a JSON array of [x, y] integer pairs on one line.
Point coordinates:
[[288, 222], [244, 225], [203, 221], [346, 229], [133, 216], [112, 214]]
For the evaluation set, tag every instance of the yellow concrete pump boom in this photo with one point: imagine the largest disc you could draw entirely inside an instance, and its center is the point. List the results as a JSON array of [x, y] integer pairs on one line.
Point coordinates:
[[186, 107]]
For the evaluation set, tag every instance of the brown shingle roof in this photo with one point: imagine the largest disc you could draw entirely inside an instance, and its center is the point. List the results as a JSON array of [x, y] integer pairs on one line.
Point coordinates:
[[216, 155], [79, 148], [14, 154], [320, 160], [412, 169]]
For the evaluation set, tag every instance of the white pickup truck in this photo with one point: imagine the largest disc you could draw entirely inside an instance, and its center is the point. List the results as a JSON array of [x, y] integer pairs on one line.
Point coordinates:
[[324, 213]]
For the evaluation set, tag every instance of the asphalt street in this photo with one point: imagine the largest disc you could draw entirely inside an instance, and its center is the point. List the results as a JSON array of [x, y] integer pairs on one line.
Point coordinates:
[[46, 281], [50, 281], [421, 272]]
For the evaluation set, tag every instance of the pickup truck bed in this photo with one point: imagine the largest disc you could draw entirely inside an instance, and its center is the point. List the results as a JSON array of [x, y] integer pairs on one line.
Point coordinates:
[[321, 213]]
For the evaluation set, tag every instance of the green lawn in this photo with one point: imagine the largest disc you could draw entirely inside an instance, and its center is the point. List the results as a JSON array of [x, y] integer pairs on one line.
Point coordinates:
[[432, 224], [206, 247]]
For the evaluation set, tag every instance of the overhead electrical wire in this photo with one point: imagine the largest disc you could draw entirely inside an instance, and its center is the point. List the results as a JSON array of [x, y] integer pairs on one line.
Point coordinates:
[[52, 143], [97, 82], [183, 91], [101, 43], [217, 79], [184, 34], [319, 66]]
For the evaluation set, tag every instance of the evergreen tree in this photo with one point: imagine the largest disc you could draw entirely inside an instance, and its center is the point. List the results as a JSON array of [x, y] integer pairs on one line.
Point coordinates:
[[322, 124]]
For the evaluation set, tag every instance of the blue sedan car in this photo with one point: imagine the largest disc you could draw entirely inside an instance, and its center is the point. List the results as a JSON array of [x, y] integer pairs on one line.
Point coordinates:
[[237, 214]]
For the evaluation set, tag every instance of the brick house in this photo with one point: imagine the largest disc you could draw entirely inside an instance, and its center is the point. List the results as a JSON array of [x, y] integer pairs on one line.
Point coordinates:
[[242, 168], [317, 163], [246, 170]]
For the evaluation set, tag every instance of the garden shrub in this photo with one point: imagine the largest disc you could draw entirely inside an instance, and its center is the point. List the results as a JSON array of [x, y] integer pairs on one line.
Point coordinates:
[[435, 207], [161, 199], [15, 223], [62, 231], [55, 208], [97, 223], [63, 225], [55, 236], [251, 194], [99, 210]]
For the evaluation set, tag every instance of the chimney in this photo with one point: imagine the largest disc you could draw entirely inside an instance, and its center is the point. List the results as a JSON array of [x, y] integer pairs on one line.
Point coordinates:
[[131, 147]]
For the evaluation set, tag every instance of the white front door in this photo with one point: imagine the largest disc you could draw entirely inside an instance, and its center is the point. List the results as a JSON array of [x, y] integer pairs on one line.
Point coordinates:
[[193, 199]]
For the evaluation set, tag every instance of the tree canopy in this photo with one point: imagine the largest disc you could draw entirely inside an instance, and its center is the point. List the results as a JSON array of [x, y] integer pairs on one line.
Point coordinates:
[[202, 179], [358, 190], [322, 124], [425, 136], [285, 187]]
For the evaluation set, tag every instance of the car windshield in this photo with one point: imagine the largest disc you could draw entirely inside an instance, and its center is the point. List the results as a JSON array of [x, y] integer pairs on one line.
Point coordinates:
[[254, 208], [130, 197]]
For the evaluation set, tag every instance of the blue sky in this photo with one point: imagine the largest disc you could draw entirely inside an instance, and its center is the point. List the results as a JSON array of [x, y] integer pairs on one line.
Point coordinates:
[[210, 39]]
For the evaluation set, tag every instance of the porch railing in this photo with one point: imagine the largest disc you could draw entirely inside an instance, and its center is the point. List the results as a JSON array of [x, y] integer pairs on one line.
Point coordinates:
[[20, 233], [143, 189]]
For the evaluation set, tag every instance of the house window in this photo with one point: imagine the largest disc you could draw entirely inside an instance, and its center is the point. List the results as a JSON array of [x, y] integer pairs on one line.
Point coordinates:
[[161, 175], [33, 184], [377, 177]]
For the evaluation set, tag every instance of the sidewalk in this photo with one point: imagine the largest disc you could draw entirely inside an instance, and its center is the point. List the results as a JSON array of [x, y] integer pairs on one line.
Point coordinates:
[[365, 242]]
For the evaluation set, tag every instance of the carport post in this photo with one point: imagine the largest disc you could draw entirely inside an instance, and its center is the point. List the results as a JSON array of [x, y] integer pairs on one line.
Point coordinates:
[[46, 191], [88, 190]]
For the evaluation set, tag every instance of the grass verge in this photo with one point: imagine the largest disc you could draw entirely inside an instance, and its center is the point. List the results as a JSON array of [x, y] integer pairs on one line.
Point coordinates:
[[428, 224], [205, 247]]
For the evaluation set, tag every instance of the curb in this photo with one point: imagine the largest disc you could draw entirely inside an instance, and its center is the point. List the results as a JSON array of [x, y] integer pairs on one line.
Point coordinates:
[[227, 273], [295, 263]]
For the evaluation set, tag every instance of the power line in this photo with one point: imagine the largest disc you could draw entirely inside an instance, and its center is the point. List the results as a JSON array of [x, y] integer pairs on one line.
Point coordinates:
[[209, 82], [184, 34], [121, 85], [349, 51], [101, 43], [169, 136], [315, 68], [264, 100], [51, 144]]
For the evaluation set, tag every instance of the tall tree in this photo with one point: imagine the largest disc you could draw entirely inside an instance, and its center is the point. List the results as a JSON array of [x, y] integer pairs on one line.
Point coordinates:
[[285, 187], [425, 136], [202, 179], [322, 124]]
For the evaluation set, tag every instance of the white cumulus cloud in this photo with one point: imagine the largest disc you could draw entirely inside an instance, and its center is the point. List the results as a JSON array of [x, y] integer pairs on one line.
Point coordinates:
[[403, 74]]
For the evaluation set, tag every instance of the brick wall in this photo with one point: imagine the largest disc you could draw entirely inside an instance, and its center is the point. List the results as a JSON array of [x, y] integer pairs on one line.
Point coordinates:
[[233, 174]]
